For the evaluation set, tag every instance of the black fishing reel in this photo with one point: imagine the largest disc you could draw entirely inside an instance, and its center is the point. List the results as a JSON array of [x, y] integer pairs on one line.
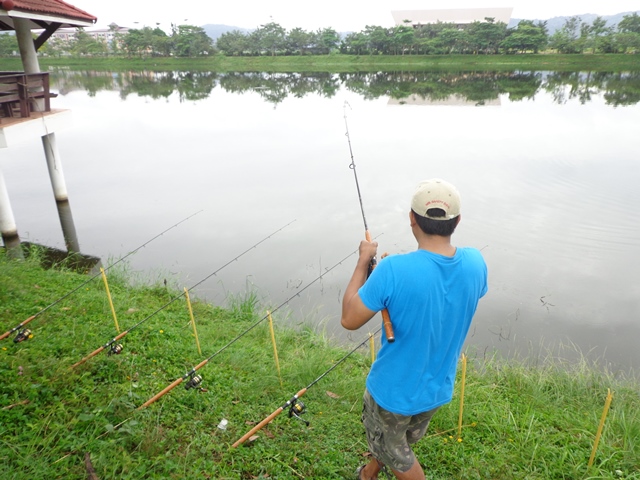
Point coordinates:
[[296, 409], [194, 382], [115, 349], [22, 335]]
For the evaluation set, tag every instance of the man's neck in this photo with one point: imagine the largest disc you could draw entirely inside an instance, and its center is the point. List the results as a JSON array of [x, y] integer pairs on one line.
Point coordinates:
[[437, 244]]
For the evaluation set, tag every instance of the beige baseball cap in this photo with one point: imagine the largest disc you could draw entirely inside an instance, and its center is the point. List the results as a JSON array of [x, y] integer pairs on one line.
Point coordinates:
[[436, 193]]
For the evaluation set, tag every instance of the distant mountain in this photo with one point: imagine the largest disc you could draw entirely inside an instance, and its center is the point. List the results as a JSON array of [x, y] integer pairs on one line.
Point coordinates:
[[214, 31], [556, 23]]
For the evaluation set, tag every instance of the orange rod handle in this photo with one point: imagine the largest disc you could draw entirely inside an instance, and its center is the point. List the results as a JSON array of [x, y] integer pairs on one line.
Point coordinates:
[[167, 389], [386, 320], [277, 412], [92, 354], [170, 387], [98, 350], [6, 334], [388, 328]]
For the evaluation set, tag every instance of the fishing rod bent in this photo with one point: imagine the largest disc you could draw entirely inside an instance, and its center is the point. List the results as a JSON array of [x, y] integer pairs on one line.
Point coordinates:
[[18, 327], [118, 348], [191, 374], [386, 320], [293, 400]]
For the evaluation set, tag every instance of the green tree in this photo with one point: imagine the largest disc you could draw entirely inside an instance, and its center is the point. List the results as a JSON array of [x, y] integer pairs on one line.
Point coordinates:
[[380, 39], [486, 37], [526, 37], [272, 37], [403, 38], [327, 40], [451, 40], [567, 39], [630, 24], [628, 42], [233, 43], [8, 44], [355, 43], [191, 41], [85, 44], [299, 41]]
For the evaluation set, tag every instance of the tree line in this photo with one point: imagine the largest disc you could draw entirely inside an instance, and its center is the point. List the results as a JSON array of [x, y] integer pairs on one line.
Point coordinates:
[[486, 37]]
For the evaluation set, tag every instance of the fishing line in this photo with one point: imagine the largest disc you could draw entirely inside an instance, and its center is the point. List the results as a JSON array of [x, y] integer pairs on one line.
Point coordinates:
[[195, 380], [296, 407], [18, 327], [386, 320], [113, 346]]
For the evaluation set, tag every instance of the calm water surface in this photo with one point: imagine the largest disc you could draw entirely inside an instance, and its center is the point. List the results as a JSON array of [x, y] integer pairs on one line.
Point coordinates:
[[548, 168]]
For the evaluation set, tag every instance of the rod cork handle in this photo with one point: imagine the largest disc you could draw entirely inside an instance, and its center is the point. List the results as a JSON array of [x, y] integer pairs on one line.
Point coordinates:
[[277, 412], [388, 328]]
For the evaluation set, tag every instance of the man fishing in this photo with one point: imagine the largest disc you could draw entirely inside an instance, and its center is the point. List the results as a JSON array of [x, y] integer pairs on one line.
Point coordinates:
[[431, 295]]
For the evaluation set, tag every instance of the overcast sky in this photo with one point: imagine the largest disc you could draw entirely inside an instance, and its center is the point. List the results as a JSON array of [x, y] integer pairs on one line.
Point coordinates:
[[342, 15]]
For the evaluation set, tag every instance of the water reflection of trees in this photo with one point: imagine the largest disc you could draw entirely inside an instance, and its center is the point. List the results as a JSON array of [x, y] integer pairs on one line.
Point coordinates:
[[475, 87]]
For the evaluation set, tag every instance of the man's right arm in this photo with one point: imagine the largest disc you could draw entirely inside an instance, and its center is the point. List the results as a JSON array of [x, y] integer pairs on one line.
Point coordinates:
[[354, 312]]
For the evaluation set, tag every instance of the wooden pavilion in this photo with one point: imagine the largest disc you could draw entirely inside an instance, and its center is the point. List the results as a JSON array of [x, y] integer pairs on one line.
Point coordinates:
[[25, 101]]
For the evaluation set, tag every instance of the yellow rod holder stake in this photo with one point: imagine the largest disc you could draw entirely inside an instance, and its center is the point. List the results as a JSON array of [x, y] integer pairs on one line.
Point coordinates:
[[372, 347], [607, 404], [463, 380], [275, 349], [113, 310], [193, 321]]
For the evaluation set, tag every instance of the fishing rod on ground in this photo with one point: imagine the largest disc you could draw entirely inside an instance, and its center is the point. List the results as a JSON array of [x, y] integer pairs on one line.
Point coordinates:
[[24, 333], [296, 407], [386, 320], [116, 348], [195, 380]]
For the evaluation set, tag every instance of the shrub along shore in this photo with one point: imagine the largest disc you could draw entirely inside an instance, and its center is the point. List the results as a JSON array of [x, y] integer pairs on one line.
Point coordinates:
[[349, 63], [519, 421]]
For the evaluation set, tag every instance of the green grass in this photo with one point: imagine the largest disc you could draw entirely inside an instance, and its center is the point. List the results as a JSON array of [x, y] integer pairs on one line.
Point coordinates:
[[521, 422], [353, 63]]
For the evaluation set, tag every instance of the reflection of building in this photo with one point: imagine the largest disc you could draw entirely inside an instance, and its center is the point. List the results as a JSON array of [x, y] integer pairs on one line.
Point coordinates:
[[461, 17], [450, 101]]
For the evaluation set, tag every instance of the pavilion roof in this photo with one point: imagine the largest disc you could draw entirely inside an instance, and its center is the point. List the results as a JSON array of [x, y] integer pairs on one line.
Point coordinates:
[[42, 13]]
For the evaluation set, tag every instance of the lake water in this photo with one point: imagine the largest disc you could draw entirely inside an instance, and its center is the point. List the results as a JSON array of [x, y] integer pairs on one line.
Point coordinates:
[[547, 165]]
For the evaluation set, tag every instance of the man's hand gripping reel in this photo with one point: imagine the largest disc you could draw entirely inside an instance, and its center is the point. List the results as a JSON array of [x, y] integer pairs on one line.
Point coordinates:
[[386, 320]]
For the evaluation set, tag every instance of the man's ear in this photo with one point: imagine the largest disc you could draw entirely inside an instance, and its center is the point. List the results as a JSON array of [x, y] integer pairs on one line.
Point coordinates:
[[458, 219], [412, 218]]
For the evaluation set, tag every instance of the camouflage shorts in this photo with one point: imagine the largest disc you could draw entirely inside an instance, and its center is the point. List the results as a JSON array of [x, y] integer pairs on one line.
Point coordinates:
[[390, 435]]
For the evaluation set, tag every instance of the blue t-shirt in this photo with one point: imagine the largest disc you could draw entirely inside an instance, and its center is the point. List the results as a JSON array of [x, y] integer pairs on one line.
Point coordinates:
[[431, 300]]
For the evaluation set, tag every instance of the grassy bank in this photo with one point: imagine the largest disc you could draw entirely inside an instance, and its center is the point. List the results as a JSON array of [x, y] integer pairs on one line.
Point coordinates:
[[519, 422], [352, 63]]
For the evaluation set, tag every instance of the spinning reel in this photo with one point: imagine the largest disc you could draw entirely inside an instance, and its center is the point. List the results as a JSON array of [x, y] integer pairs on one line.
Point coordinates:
[[194, 382], [296, 409], [22, 335], [115, 349]]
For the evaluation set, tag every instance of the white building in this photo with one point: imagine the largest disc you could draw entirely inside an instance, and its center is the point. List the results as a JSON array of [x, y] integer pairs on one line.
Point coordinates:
[[105, 35], [461, 17]]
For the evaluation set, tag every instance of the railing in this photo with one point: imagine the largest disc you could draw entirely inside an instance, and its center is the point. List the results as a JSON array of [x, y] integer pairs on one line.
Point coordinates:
[[19, 93]]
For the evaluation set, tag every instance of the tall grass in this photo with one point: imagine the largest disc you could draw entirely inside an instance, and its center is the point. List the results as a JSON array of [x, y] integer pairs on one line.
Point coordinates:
[[521, 421]]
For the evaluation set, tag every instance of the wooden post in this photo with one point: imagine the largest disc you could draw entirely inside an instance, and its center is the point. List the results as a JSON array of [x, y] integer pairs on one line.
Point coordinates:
[[193, 321], [372, 347], [607, 404], [275, 348], [113, 310], [463, 380]]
